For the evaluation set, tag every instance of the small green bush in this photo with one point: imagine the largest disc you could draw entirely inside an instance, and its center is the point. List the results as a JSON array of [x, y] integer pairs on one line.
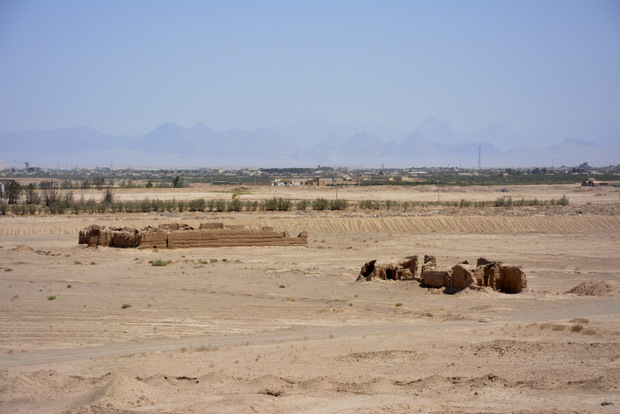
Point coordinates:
[[235, 205], [284, 204], [145, 206], [338, 204], [198, 204], [159, 262], [370, 204], [251, 205], [220, 205], [320, 204]]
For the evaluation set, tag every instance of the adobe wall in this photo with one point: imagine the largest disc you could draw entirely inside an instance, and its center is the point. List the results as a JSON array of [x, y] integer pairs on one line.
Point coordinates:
[[171, 236], [232, 237], [493, 274], [404, 269]]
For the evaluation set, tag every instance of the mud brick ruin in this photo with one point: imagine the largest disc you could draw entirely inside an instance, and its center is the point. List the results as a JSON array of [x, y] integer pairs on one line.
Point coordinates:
[[173, 236], [493, 274]]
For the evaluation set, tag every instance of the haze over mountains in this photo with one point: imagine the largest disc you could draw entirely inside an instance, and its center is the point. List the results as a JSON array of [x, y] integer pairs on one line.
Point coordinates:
[[303, 144]]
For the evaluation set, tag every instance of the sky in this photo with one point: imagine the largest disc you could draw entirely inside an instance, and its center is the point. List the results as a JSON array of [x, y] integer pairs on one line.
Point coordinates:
[[549, 69]]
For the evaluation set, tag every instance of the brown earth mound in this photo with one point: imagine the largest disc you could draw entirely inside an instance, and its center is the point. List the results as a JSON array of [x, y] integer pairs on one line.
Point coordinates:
[[596, 288], [23, 248]]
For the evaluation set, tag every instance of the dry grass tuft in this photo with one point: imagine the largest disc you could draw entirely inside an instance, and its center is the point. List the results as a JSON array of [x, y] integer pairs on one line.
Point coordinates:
[[576, 328]]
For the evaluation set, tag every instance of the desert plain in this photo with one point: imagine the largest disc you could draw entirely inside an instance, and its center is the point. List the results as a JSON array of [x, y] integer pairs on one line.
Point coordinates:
[[289, 330]]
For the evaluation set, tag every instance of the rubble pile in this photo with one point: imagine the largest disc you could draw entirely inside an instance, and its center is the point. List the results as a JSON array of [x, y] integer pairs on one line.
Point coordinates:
[[493, 274]]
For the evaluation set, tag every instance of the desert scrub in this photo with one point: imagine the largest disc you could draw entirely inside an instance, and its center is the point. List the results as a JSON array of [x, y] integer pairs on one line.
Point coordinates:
[[125, 306], [276, 204], [340, 204], [212, 260], [320, 204], [198, 204], [579, 320], [51, 297], [159, 262], [219, 206], [302, 205]]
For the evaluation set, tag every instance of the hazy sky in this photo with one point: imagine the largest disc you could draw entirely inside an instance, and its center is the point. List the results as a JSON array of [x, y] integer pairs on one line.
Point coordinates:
[[547, 68]]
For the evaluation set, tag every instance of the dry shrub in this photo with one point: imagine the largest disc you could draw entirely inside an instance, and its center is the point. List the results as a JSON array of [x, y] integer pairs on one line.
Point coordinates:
[[579, 320]]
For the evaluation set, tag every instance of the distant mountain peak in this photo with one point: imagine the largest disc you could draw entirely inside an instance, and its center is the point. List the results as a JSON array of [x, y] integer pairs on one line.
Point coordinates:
[[432, 129], [169, 125], [200, 127]]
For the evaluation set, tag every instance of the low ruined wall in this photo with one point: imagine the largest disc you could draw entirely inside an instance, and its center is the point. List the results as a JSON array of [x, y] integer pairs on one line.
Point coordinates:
[[435, 278], [232, 237], [493, 274], [173, 236], [404, 269]]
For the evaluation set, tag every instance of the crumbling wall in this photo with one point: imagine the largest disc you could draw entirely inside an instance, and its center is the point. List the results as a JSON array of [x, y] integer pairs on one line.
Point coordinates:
[[513, 279], [435, 278], [461, 277], [153, 238], [232, 237], [403, 269], [126, 237], [493, 274], [430, 263], [174, 235]]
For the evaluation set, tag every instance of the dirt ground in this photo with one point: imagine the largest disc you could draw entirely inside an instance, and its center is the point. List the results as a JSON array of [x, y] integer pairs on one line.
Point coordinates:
[[288, 330]]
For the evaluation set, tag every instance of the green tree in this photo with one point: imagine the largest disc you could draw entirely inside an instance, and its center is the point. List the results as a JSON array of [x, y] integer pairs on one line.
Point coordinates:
[[178, 182], [31, 194], [13, 192], [99, 181], [108, 197]]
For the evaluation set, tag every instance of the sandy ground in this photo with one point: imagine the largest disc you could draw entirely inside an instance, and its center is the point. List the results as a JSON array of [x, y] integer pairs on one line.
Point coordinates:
[[576, 193], [288, 330]]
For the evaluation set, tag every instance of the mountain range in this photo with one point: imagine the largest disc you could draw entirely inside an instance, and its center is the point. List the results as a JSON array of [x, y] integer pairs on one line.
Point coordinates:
[[303, 144]]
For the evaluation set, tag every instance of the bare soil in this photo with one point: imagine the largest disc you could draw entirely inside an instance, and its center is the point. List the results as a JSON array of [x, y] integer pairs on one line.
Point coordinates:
[[283, 330]]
